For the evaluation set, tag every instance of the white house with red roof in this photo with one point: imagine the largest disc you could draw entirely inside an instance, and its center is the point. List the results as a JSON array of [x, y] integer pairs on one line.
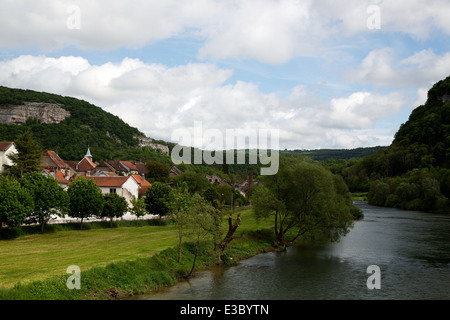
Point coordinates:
[[6, 149], [128, 187]]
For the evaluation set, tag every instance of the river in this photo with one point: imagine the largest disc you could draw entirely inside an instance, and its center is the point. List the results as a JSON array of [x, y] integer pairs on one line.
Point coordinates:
[[411, 250]]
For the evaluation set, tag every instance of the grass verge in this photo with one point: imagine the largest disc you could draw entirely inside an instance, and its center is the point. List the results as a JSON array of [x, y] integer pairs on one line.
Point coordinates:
[[114, 262]]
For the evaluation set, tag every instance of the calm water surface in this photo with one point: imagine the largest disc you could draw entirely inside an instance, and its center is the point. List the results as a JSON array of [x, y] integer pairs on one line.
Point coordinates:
[[412, 250]]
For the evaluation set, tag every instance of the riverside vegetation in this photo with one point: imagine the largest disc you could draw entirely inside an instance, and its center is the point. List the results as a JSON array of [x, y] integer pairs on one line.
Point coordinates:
[[118, 262], [304, 200]]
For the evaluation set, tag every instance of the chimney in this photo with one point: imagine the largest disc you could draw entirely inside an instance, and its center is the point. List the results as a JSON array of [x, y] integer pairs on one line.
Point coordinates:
[[250, 180]]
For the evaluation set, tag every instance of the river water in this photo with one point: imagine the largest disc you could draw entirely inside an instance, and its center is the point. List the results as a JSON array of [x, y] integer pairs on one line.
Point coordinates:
[[411, 250]]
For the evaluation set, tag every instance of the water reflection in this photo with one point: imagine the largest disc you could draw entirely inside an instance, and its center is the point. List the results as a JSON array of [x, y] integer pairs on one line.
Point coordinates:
[[412, 250]]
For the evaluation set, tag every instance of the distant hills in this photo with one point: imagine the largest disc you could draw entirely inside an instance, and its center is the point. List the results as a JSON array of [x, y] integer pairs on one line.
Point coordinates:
[[69, 126], [414, 171]]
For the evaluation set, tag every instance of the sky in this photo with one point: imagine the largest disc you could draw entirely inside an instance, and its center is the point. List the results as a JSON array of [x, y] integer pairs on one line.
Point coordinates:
[[320, 73]]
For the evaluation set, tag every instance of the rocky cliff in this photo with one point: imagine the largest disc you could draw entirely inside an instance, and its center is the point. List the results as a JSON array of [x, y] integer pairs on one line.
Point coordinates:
[[44, 112], [148, 142]]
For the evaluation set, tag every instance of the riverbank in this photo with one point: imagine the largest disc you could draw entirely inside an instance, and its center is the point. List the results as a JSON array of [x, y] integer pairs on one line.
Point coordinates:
[[124, 279], [114, 262]]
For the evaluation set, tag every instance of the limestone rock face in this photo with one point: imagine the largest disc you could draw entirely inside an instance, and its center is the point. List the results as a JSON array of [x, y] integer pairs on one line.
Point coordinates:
[[148, 142], [44, 112]]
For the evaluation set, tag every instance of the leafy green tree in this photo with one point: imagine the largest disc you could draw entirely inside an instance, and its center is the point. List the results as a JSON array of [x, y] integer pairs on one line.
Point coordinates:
[[302, 199], [15, 202], [49, 197], [137, 208], [180, 208], [85, 199], [28, 156], [378, 193], [212, 195], [158, 198], [202, 223], [114, 206], [196, 182], [157, 171], [226, 194]]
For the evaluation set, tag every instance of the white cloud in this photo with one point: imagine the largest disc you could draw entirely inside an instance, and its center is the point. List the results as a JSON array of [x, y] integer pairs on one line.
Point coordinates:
[[381, 67], [158, 100], [270, 31], [361, 109]]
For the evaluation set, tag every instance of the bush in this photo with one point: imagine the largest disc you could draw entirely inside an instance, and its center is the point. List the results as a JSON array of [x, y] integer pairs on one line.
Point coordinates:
[[379, 191], [416, 205], [392, 201]]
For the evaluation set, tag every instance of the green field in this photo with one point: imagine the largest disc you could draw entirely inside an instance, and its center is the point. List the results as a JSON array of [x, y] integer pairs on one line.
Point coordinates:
[[40, 256]]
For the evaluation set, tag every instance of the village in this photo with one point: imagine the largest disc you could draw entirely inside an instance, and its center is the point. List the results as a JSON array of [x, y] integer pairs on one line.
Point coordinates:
[[128, 179]]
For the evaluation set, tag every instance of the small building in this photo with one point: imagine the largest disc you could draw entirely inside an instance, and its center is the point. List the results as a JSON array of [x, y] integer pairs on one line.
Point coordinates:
[[58, 175], [143, 184], [51, 160], [215, 179], [125, 187], [86, 167], [130, 168], [6, 149], [174, 171]]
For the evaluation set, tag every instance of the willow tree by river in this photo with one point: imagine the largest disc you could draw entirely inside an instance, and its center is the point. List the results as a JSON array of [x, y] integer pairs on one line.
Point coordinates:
[[304, 198]]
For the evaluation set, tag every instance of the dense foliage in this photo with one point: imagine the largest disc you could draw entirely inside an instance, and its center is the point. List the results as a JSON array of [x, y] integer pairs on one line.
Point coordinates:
[[15, 202], [88, 125], [85, 199], [413, 172], [304, 198], [50, 200]]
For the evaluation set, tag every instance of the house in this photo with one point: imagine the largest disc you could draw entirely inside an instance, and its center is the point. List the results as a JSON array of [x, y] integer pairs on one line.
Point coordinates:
[[129, 167], [62, 179], [124, 168], [102, 173], [51, 160], [141, 167], [85, 167], [6, 149], [215, 179], [143, 184], [174, 171], [126, 187], [113, 166]]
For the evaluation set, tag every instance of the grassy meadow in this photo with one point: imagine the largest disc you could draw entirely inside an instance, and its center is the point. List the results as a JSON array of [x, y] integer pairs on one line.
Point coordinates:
[[31, 258]]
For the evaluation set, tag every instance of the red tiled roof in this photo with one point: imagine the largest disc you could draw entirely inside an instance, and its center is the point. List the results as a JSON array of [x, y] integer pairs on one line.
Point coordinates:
[[58, 176], [86, 164], [109, 181], [141, 181], [5, 145], [56, 158], [143, 184], [129, 165], [116, 165], [73, 165]]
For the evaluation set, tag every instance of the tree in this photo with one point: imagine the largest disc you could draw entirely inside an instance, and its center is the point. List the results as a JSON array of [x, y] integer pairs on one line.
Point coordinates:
[[48, 196], [378, 193], [114, 206], [157, 171], [303, 200], [138, 208], [85, 199], [15, 202], [202, 222], [28, 156], [180, 209], [196, 182], [157, 199]]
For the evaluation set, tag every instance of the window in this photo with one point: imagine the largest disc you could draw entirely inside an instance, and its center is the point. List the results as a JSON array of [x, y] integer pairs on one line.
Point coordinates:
[[112, 190]]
